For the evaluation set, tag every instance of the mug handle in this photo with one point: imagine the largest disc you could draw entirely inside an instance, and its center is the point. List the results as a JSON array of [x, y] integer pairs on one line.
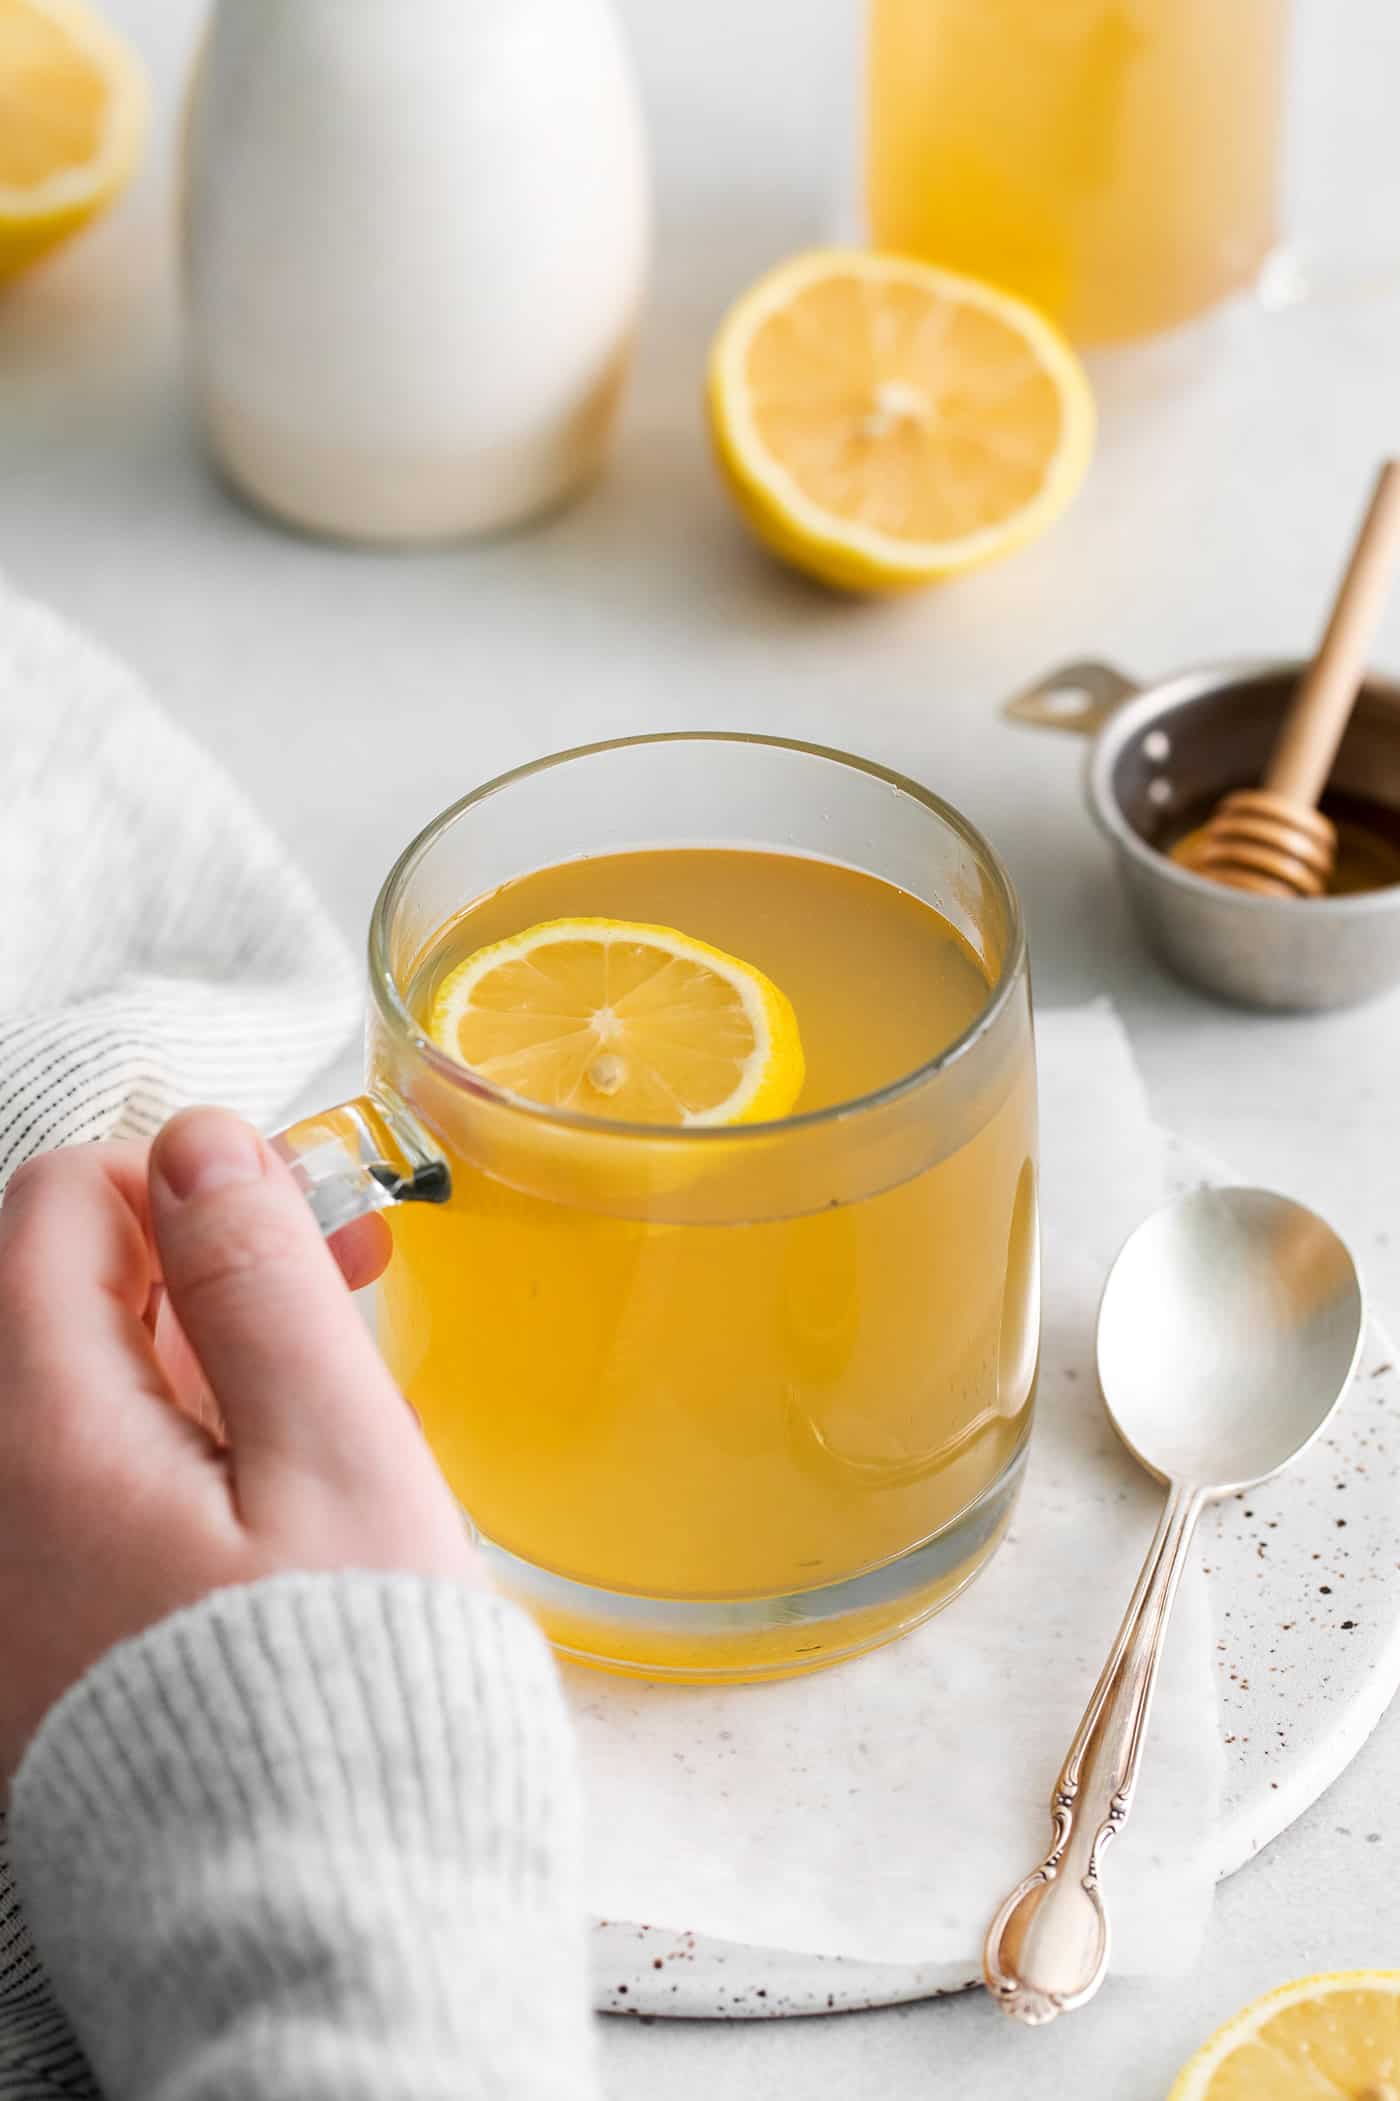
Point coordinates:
[[1079, 696], [363, 1156]]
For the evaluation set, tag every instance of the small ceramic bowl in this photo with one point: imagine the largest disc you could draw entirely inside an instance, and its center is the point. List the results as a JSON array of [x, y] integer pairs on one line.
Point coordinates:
[[1163, 751]]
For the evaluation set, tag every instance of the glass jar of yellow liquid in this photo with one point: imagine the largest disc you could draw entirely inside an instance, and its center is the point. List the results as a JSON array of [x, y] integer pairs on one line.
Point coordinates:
[[722, 1401], [1116, 162]]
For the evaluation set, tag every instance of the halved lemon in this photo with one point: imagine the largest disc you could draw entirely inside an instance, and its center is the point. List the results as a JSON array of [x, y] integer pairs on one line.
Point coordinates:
[[1335, 2035], [639, 1024], [884, 423], [73, 107]]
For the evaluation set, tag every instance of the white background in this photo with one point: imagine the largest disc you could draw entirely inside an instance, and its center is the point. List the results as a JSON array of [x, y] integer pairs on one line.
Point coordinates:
[[354, 694]]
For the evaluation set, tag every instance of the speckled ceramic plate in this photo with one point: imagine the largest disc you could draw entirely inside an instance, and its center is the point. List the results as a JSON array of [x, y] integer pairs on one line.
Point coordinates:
[[1306, 1575]]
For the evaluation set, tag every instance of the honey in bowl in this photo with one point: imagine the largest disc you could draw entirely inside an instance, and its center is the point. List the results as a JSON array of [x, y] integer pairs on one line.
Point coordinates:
[[1368, 839]]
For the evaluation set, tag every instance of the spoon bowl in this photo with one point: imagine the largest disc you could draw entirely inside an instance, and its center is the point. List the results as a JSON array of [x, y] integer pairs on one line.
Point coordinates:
[[1228, 1331]]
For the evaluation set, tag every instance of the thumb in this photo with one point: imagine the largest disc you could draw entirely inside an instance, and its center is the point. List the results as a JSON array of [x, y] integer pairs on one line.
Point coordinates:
[[258, 1295]]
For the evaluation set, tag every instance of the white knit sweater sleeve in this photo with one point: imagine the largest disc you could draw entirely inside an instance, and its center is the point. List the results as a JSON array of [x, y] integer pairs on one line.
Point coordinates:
[[313, 1840]]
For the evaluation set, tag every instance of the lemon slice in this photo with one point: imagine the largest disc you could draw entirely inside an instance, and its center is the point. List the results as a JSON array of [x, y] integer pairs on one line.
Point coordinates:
[[636, 1023], [1336, 2035], [883, 423], [73, 105]]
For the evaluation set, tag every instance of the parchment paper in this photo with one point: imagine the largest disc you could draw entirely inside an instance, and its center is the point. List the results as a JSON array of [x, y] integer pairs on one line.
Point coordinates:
[[881, 1810]]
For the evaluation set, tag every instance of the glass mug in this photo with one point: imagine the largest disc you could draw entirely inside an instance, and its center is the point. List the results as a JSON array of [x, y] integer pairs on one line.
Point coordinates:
[[1116, 162], [722, 1402]]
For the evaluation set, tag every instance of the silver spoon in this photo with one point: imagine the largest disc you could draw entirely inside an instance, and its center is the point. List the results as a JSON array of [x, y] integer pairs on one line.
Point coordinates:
[[1229, 1330]]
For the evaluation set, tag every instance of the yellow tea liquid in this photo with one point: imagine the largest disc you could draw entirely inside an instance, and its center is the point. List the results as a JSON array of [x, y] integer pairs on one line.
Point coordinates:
[[1114, 161], [754, 1406]]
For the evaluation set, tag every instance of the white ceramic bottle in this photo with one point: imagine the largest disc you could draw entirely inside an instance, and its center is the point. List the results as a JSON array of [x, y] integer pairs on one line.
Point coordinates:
[[416, 235]]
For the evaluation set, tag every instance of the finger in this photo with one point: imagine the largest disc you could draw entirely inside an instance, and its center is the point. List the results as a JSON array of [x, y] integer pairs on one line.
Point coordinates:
[[77, 1276], [293, 1369], [99, 1188], [362, 1250], [73, 1229], [183, 1369]]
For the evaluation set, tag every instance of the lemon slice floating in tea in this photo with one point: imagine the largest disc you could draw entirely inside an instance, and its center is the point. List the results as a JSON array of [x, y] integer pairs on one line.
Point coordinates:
[[640, 1024], [883, 423], [1335, 2035]]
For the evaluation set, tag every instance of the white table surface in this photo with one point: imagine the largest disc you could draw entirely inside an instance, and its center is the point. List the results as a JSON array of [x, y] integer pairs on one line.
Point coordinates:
[[1231, 465]]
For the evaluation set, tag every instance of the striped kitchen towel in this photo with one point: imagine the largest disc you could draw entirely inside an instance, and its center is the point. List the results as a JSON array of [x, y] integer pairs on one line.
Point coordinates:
[[157, 945]]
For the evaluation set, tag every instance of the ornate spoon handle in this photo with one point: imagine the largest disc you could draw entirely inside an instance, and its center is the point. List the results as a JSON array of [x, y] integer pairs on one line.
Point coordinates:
[[1047, 1947]]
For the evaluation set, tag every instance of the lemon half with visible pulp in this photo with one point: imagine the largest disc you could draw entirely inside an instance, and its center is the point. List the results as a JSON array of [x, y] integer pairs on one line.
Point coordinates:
[[638, 1024], [1336, 2036], [73, 108], [884, 423]]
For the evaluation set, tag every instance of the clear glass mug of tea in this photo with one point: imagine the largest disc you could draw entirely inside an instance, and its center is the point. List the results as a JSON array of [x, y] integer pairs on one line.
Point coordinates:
[[722, 1401]]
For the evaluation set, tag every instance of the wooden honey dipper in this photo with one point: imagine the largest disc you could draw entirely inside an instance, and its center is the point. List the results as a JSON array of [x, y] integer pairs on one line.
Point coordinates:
[[1273, 839]]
